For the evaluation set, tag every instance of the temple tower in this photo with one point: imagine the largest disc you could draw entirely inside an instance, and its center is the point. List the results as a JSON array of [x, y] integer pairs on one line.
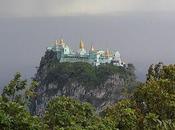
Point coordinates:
[[92, 48], [107, 53], [82, 48]]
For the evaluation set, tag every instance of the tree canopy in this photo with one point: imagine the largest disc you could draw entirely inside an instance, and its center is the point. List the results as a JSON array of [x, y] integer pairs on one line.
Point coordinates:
[[13, 116], [13, 106], [66, 113], [151, 106]]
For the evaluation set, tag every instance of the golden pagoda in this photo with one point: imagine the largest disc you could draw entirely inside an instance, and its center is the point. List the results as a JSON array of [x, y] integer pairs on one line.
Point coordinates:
[[107, 53], [61, 42], [92, 56], [81, 45]]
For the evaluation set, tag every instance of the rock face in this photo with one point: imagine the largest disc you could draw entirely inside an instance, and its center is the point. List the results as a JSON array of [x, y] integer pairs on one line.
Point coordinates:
[[56, 82]]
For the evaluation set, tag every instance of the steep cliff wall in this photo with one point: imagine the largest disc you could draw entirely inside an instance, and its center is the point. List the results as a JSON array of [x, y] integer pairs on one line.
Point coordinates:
[[101, 86]]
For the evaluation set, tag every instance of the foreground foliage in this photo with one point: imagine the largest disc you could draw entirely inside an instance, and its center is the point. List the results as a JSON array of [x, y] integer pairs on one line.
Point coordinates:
[[13, 116], [122, 115], [14, 104], [68, 114], [151, 107], [17, 90]]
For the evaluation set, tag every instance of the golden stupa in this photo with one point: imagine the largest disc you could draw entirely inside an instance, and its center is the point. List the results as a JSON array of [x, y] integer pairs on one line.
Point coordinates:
[[61, 42], [81, 45], [107, 53]]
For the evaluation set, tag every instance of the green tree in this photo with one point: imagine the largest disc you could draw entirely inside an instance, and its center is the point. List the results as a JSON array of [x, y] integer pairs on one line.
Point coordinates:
[[168, 72], [13, 113], [152, 106], [123, 115], [151, 73], [155, 71], [156, 98], [152, 122], [158, 70], [13, 116], [12, 91], [19, 91], [64, 113]]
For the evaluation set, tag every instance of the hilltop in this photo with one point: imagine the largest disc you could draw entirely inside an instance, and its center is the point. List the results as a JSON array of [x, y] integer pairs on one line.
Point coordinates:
[[101, 85]]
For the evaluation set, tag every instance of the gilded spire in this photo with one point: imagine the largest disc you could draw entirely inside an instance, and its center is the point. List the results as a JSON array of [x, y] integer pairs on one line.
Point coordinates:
[[107, 53], [61, 42], [92, 48], [81, 45]]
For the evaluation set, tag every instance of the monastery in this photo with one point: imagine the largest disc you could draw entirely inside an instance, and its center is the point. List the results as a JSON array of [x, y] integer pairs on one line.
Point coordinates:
[[92, 56]]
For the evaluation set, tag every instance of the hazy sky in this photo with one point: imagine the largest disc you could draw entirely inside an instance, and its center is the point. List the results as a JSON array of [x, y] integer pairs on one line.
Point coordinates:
[[38, 8], [143, 31]]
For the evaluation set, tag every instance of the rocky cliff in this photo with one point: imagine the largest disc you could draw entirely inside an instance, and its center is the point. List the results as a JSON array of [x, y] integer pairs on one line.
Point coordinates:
[[101, 86]]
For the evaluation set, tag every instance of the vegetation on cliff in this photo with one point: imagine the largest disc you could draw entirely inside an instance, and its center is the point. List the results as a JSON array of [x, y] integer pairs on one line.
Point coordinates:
[[151, 107], [84, 73]]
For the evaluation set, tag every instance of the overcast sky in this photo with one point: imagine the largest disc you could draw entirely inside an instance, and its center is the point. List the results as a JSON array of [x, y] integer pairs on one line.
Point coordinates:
[[143, 31], [44, 8]]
